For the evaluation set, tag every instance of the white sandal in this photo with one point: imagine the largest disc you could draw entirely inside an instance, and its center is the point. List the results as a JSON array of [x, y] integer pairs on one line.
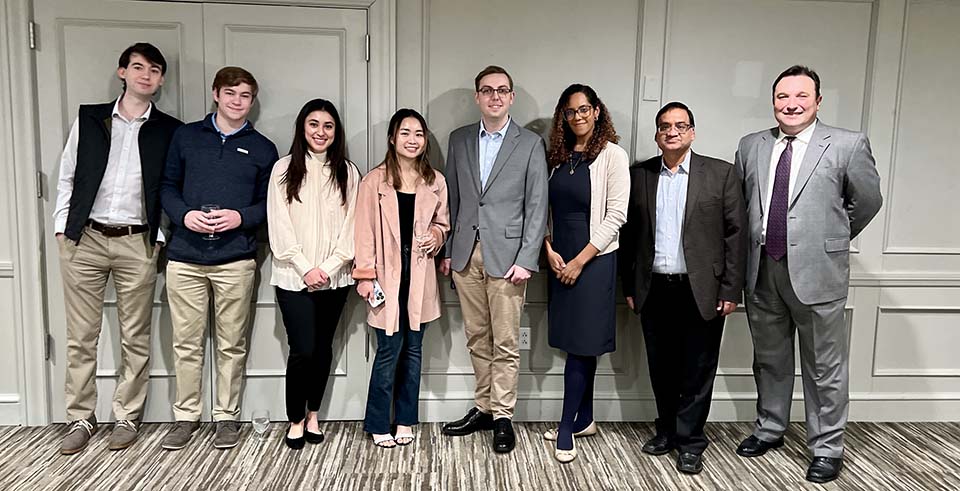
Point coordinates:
[[408, 436], [382, 440], [566, 456]]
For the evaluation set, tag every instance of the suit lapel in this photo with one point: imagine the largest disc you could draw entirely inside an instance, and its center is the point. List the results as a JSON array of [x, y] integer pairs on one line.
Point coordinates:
[[652, 178], [389, 208], [694, 184], [473, 156], [764, 154], [506, 149], [819, 142]]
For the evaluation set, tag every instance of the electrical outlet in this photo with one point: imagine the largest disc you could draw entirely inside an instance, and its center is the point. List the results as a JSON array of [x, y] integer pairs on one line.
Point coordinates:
[[524, 338]]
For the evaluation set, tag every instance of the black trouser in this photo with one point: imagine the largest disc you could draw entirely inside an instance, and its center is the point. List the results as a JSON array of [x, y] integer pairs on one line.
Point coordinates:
[[682, 350], [311, 320]]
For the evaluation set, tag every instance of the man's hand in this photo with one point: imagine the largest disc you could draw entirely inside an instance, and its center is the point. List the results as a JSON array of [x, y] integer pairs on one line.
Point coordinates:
[[444, 266], [725, 308], [517, 275], [315, 278], [197, 221], [630, 304], [223, 220]]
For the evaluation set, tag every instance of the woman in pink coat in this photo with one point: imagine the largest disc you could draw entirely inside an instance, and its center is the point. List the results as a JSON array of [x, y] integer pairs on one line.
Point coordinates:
[[401, 223]]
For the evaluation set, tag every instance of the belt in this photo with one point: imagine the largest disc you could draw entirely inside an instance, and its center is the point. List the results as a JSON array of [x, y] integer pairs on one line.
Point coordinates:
[[671, 278], [117, 230]]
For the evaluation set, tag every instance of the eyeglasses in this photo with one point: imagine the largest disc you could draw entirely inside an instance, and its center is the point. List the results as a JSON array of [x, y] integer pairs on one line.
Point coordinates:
[[681, 127], [488, 91], [583, 111]]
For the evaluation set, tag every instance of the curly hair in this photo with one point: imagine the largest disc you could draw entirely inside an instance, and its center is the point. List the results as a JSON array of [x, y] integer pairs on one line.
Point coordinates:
[[562, 138]]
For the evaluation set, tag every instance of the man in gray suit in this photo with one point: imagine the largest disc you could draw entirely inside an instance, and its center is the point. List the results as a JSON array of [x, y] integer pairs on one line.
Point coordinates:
[[810, 189], [497, 186]]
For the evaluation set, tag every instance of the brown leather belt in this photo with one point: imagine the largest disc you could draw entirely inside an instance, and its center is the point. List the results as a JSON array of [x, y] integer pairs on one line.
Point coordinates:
[[117, 230]]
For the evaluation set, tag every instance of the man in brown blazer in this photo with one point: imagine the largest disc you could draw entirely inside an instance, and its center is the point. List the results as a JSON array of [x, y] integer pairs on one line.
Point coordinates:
[[682, 262]]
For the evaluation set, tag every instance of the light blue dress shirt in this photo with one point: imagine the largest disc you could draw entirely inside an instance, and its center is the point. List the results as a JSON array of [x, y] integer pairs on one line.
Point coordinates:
[[223, 136], [671, 204], [490, 143]]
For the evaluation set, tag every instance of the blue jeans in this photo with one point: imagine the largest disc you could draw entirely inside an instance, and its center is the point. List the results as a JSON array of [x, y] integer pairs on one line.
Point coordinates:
[[395, 379]]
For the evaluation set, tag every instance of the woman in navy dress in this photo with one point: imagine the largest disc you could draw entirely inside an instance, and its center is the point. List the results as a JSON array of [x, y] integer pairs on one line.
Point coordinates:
[[589, 189]]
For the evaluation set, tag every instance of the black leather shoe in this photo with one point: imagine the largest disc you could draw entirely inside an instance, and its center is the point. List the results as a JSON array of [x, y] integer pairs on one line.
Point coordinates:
[[824, 469], [312, 437], [475, 420], [503, 437], [689, 463], [658, 445], [755, 447]]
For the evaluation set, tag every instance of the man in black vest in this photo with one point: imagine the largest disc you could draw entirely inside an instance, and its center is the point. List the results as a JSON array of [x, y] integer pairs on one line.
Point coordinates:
[[107, 222]]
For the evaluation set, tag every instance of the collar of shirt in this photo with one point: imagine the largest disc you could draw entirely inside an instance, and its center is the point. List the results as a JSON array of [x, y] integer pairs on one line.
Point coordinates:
[[502, 131], [803, 137], [684, 164], [321, 157], [223, 136], [143, 117]]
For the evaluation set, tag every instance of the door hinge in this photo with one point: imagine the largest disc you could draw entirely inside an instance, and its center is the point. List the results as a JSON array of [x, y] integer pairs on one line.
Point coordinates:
[[47, 346], [366, 48], [32, 34], [39, 184]]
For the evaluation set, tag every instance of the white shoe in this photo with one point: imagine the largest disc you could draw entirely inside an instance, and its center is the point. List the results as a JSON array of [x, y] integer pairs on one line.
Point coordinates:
[[591, 429], [566, 456]]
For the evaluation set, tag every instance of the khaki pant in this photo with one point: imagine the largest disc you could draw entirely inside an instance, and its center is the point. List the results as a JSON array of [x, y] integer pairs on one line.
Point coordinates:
[[491, 317], [85, 268], [188, 291]]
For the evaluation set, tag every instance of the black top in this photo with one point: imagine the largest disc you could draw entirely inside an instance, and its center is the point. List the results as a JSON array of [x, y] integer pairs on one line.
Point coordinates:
[[406, 202]]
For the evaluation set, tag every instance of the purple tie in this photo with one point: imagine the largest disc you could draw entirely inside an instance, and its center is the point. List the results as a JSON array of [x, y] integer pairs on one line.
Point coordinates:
[[777, 220]]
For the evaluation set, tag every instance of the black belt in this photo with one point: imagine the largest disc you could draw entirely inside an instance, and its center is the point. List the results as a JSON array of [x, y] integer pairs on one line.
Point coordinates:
[[117, 230], [671, 278]]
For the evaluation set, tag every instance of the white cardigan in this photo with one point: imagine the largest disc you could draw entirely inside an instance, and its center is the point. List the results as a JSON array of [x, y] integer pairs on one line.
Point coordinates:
[[609, 195]]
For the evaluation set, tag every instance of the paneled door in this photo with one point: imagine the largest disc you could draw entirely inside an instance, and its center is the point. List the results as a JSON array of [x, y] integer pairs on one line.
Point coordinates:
[[296, 53]]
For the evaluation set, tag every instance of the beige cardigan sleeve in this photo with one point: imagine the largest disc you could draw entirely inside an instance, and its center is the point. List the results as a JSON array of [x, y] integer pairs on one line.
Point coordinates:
[[283, 239], [617, 182]]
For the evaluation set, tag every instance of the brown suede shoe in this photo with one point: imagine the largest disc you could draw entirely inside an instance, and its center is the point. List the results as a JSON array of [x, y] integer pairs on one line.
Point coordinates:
[[124, 434], [80, 432]]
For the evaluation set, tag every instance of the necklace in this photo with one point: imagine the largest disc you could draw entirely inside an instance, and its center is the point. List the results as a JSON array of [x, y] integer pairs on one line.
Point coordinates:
[[575, 162]]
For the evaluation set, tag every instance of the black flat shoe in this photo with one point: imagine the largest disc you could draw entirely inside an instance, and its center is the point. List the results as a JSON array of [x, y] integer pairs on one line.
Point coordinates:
[[689, 463], [658, 445], [312, 437], [294, 443], [504, 440], [824, 469], [755, 447], [475, 420]]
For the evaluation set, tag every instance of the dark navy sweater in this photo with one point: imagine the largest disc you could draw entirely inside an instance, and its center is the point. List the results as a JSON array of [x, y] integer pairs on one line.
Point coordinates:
[[202, 168]]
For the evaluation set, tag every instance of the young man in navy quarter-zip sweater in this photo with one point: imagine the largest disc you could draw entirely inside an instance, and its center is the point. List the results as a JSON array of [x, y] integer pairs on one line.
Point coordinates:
[[214, 190], [107, 222]]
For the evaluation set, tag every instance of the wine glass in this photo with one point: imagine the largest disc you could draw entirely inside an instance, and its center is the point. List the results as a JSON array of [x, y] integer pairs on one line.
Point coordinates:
[[208, 209], [261, 422], [421, 235]]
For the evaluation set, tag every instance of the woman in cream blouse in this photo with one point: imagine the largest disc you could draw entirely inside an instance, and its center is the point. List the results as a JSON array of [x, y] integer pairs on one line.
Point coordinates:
[[310, 214]]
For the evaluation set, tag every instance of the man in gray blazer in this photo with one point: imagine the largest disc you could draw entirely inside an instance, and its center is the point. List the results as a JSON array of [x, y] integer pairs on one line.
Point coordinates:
[[497, 186], [810, 189]]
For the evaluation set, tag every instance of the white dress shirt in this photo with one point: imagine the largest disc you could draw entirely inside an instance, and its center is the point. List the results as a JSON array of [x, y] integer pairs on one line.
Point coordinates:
[[799, 149], [119, 199]]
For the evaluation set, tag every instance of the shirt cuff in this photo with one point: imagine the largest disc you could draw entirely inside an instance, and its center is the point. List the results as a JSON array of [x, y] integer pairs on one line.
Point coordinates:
[[301, 265]]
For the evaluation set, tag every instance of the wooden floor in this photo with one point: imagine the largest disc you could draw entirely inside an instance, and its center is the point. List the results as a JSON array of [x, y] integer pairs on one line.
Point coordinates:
[[895, 456]]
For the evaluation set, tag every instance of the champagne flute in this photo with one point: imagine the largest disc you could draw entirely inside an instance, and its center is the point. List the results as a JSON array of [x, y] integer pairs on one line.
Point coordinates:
[[208, 209], [421, 235], [261, 422]]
